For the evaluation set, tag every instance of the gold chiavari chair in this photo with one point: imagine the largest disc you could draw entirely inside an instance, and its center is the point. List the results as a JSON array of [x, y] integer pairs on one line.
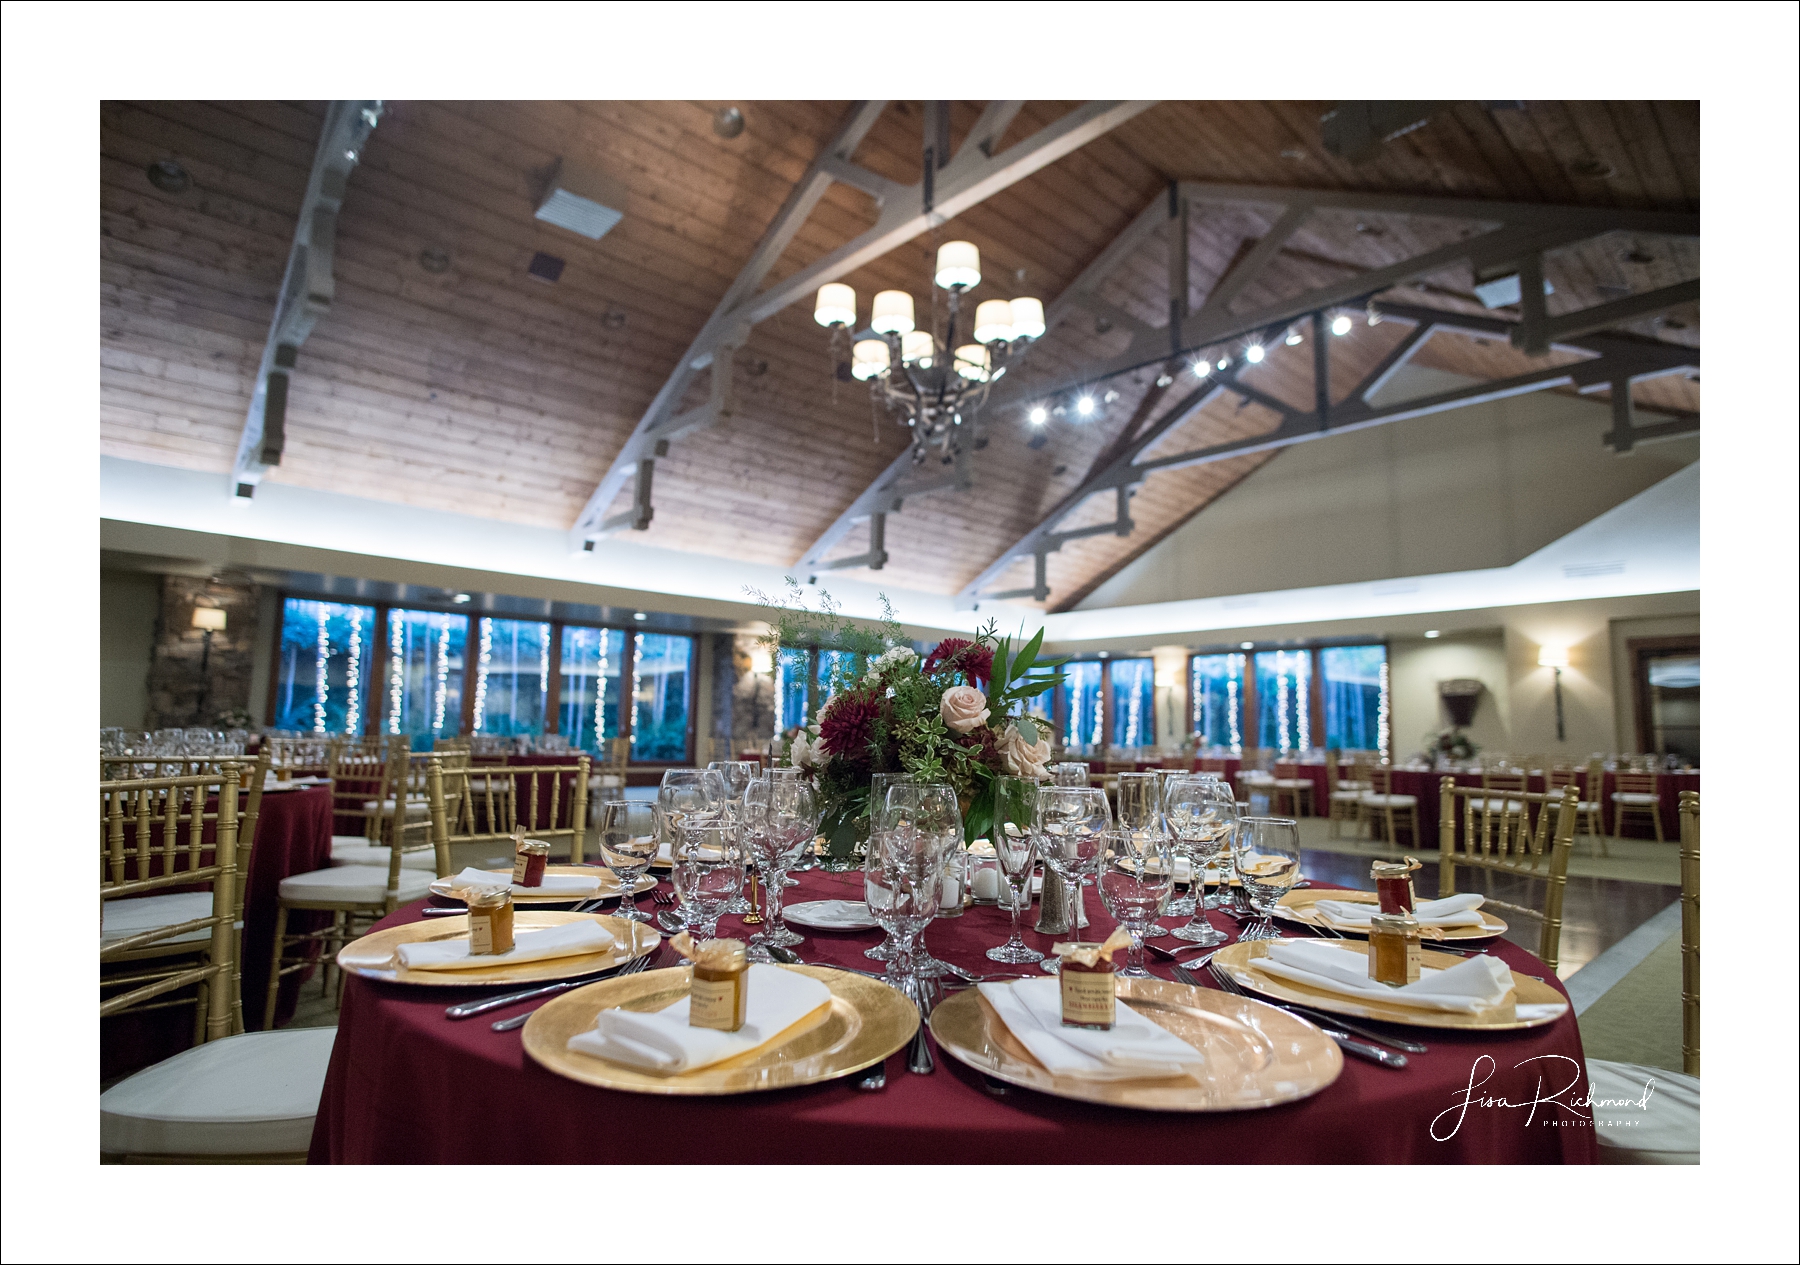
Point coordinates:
[[1666, 1129], [1343, 797], [546, 801], [1638, 794], [356, 763], [355, 895], [608, 780], [299, 757], [1527, 835], [1507, 779], [234, 1096], [1295, 790], [1380, 802], [1587, 810]]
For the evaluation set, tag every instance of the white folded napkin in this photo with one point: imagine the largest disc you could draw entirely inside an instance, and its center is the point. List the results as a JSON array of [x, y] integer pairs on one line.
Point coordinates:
[[1135, 1047], [852, 915], [568, 940], [1475, 984], [570, 885], [1451, 911], [662, 1041]]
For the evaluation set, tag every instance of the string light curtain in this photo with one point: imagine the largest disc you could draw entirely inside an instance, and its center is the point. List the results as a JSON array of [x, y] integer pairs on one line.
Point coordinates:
[[588, 708], [425, 674], [1083, 705], [1284, 700], [321, 673], [662, 673], [1134, 702], [1216, 689], [512, 677]]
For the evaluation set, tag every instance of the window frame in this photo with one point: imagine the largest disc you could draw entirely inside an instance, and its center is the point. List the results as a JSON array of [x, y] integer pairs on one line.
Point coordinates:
[[1249, 705], [374, 719]]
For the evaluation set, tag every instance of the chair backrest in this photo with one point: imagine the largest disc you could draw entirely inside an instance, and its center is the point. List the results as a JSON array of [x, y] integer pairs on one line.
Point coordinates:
[[1529, 837], [1636, 783], [1506, 779], [1689, 810], [1381, 779], [152, 840], [1561, 775], [618, 755], [291, 757], [546, 801]]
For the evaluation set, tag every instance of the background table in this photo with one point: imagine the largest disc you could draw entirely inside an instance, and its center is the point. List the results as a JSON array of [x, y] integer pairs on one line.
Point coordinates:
[[293, 835], [1424, 783], [402, 1078]]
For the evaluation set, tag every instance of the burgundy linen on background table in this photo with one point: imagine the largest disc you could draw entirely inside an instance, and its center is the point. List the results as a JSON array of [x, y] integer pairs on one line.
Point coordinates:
[[1423, 783], [293, 835], [402, 1077]]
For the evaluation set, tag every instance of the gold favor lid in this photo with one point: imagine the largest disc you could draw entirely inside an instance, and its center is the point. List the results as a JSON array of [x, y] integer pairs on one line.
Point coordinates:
[[714, 955], [1399, 924], [1090, 954]]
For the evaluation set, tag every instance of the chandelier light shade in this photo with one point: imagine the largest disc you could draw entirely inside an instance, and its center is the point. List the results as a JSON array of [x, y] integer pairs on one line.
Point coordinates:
[[918, 348], [1027, 318], [868, 358], [893, 313], [958, 265], [972, 362], [993, 321], [836, 305]]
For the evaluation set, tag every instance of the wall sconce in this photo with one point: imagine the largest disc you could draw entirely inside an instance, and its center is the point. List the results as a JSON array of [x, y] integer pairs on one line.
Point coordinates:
[[761, 661], [1556, 658], [1167, 678], [211, 618]]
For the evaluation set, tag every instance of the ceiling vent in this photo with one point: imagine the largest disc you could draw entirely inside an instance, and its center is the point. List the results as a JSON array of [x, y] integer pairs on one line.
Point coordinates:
[[582, 200]]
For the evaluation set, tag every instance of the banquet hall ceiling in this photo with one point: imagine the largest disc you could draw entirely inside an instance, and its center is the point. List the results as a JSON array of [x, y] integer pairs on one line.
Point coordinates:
[[446, 376]]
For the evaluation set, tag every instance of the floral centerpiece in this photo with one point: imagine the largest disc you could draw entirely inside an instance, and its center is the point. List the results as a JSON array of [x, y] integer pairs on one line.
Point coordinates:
[[1448, 744], [958, 715]]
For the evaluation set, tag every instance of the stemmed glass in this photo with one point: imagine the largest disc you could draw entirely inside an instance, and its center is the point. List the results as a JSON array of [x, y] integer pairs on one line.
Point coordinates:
[[780, 819], [1070, 773], [929, 808], [879, 785], [1267, 854], [1015, 849], [688, 794], [1140, 810], [1071, 821], [1181, 905], [1200, 812], [902, 872], [1137, 877], [710, 859], [736, 775], [628, 839]]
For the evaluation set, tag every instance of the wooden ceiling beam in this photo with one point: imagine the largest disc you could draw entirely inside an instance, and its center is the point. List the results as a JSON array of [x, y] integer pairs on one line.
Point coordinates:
[[307, 289]]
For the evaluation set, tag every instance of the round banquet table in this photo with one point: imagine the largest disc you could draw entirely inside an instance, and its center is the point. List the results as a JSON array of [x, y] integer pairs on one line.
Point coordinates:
[[402, 1079], [293, 835]]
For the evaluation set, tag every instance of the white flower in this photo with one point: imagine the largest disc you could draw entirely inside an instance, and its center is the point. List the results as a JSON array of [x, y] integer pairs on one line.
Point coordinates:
[[1023, 759], [804, 754], [964, 708]]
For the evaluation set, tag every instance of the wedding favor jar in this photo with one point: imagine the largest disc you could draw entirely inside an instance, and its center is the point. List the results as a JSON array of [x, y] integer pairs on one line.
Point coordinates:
[[490, 919]]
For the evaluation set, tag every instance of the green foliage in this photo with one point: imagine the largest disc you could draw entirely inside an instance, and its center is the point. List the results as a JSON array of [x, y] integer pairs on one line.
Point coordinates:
[[1013, 683], [793, 623]]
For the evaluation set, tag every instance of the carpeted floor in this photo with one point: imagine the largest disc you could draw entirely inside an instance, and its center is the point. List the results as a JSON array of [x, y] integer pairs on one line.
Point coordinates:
[[1627, 860], [1638, 1019]]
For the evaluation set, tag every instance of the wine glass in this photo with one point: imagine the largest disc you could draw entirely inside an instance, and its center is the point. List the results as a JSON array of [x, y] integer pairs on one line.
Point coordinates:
[[1136, 879], [902, 873], [1070, 773], [1015, 849], [1267, 856], [1200, 812], [710, 860], [930, 808], [1182, 904], [1140, 809], [780, 819], [629, 839], [1071, 820], [737, 775]]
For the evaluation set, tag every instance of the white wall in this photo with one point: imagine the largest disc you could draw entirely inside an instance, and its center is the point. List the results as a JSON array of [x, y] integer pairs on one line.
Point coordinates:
[[129, 602], [1416, 665], [1478, 487]]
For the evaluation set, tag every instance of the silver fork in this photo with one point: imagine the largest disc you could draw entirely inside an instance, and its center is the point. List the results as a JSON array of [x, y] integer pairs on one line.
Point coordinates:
[[1330, 1025], [661, 897], [518, 1021]]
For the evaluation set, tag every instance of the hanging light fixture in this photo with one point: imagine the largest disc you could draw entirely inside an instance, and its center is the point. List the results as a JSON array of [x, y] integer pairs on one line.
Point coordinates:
[[934, 381]]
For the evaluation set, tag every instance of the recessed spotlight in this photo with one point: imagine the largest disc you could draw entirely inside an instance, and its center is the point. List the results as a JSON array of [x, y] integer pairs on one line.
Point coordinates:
[[1294, 338], [1164, 380], [1103, 654], [1254, 353], [1110, 396], [1246, 645], [1432, 632], [169, 176], [1201, 368], [640, 616], [1039, 415], [1224, 363], [461, 598], [1340, 324], [1085, 405]]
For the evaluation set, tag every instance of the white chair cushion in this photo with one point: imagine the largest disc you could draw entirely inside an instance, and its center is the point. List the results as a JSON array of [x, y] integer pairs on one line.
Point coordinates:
[[1347, 797], [1294, 783], [605, 779], [252, 1094], [1634, 797], [356, 850], [1663, 1130], [121, 919], [1390, 801], [415, 807], [1345, 784], [355, 884]]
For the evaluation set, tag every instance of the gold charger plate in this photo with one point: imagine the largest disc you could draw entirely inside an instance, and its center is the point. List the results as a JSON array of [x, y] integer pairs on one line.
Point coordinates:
[[1238, 960], [373, 954], [865, 1022], [609, 885], [1256, 1055], [1296, 906]]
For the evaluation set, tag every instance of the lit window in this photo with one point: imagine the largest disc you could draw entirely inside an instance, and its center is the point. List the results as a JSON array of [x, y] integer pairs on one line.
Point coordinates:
[[588, 695], [322, 679]]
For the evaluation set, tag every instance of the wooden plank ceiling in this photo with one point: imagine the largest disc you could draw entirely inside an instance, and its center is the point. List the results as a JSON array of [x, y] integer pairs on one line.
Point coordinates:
[[482, 390]]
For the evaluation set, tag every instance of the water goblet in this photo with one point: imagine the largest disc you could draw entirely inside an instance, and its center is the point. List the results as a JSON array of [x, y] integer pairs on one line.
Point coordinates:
[[1136, 878], [780, 819], [1140, 807], [902, 878], [930, 808], [1071, 820], [709, 867], [1200, 813], [1266, 854], [1015, 851], [629, 839], [1070, 773]]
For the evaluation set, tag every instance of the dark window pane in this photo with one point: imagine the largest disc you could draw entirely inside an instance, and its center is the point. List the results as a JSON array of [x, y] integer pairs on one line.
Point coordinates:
[[1284, 700], [1216, 690], [512, 677], [322, 683], [425, 675], [1355, 681], [588, 695], [659, 690], [1134, 702]]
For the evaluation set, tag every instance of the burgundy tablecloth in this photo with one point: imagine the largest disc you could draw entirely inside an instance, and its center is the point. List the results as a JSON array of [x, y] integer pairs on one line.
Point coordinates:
[[1425, 785], [402, 1078], [293, 835]]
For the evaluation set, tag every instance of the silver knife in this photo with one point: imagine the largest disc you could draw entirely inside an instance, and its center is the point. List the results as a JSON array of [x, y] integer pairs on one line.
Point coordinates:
[[1362, 1049], [469, 1009]]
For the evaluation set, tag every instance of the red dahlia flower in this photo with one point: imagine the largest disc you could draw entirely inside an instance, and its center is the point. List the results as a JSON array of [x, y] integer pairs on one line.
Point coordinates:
[[974, 660], [848, 726]]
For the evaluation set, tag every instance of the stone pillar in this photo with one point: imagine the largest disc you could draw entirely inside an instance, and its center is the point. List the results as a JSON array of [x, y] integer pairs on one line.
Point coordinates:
[[192, 683], [752, 692]]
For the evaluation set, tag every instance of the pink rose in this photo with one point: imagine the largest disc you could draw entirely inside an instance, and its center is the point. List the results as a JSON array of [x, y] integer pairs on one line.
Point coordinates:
[[963, 708], [1020, 758]]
